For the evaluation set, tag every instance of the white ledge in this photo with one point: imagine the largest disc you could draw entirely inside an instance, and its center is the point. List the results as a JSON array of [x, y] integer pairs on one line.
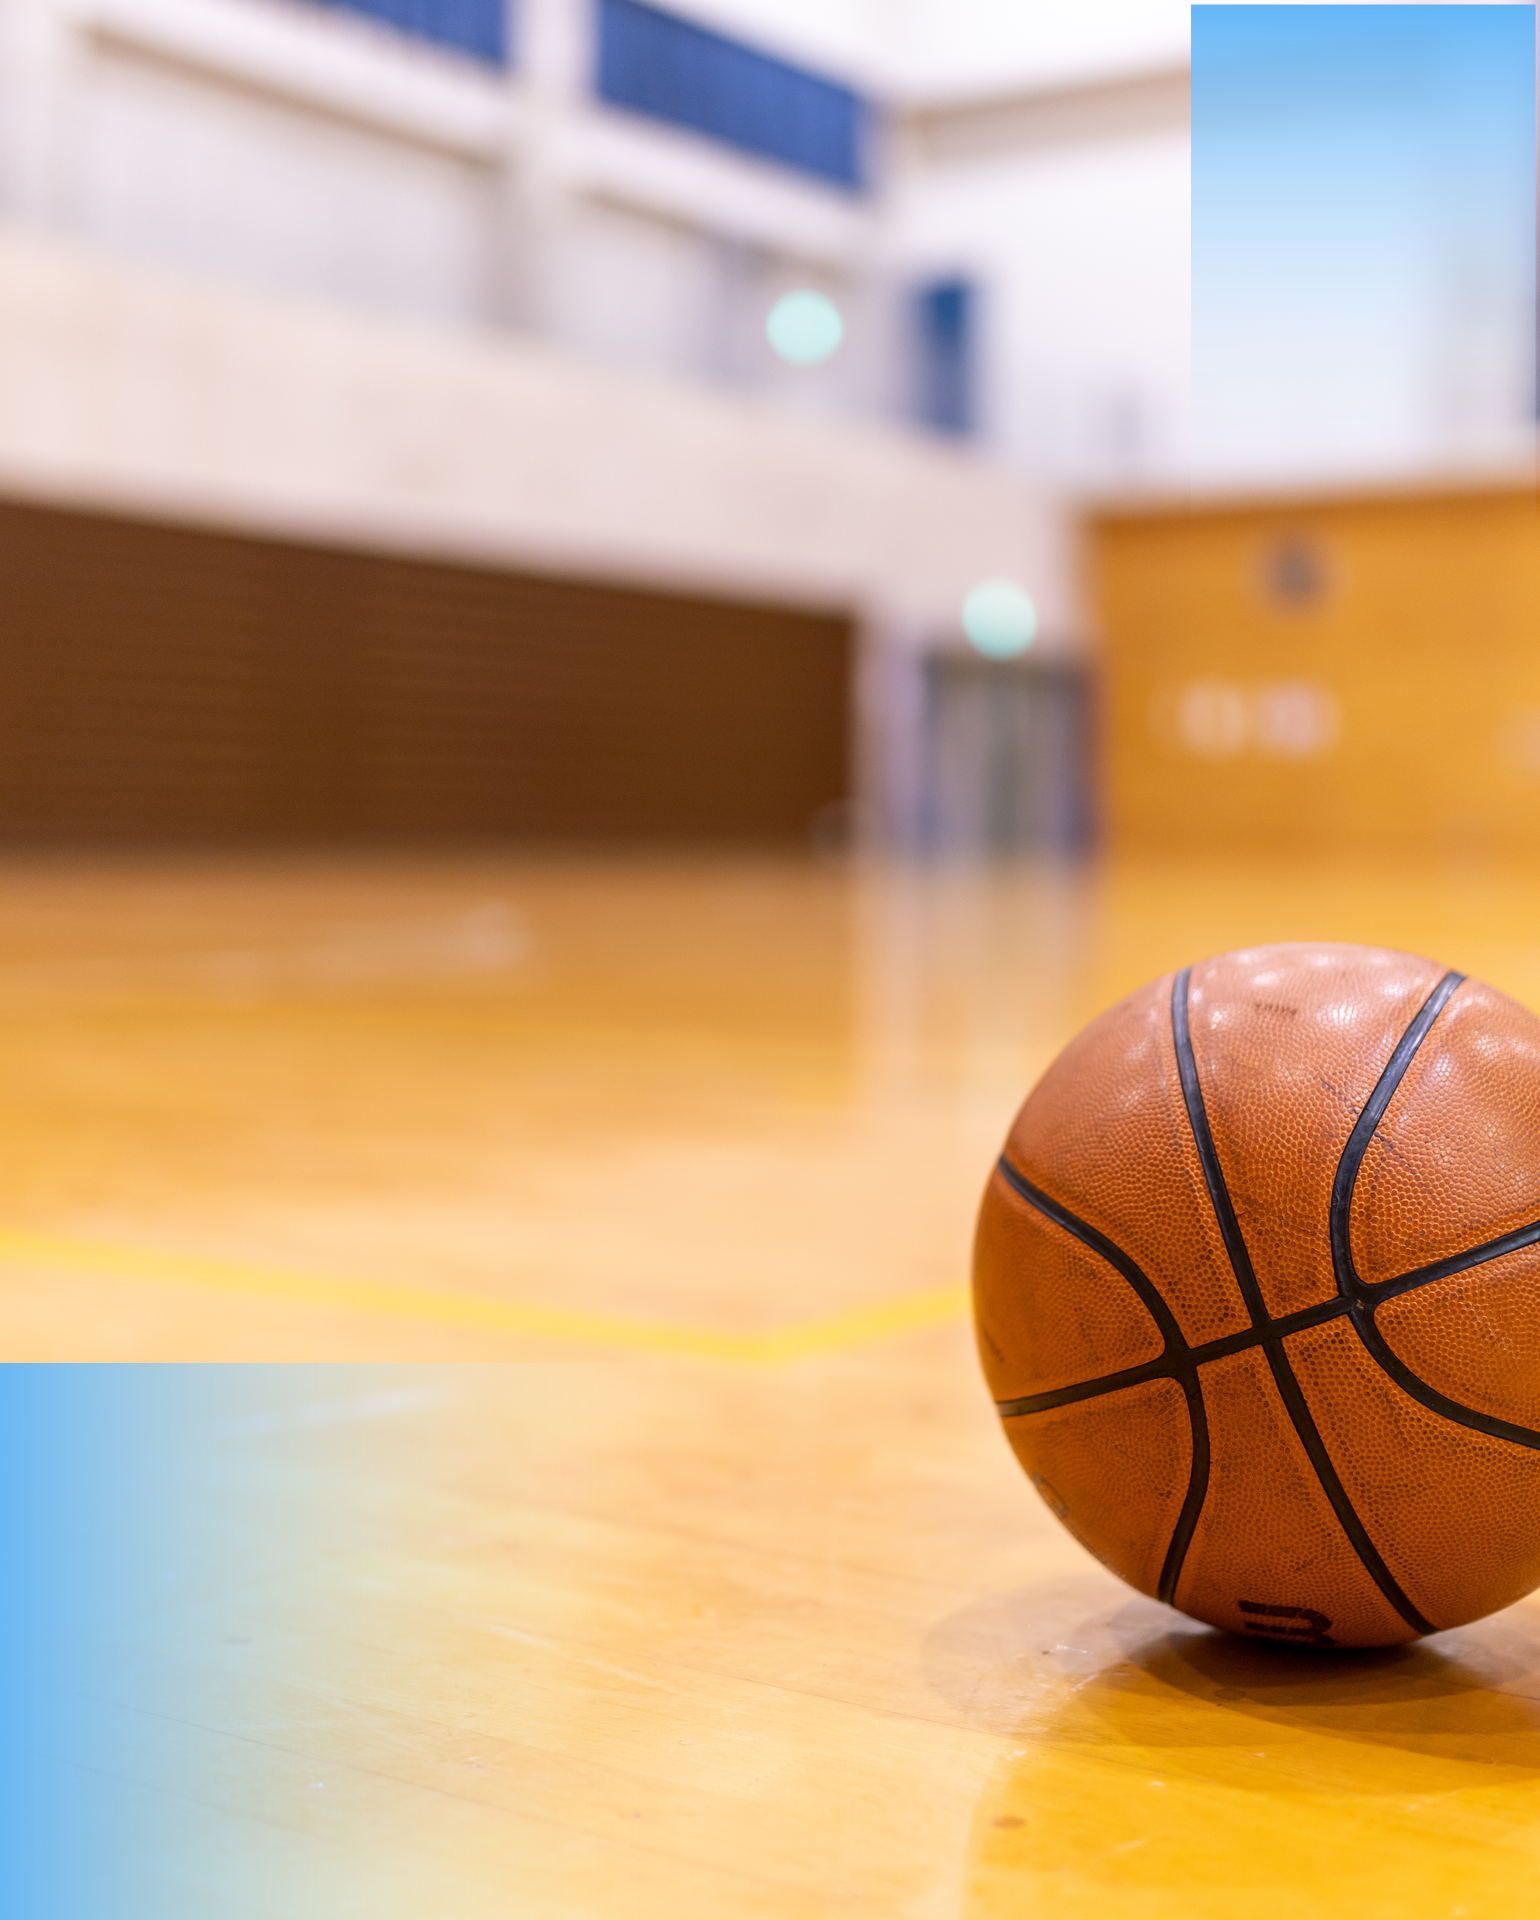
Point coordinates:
[[138, 391], [324, 58]]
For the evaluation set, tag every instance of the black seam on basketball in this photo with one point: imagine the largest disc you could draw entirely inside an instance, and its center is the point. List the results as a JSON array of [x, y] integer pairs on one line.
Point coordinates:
[[1365, 1298], [1297, 1322], [1161, 1369], [1374, 1297], [1271, 1342], [1431, 1398], [1381, 1290], [1171, 1368], [1197, 1489], [1175, 1362], [1083, 1231], [1346, 1177], [1208, 1157], [1293, 1397]]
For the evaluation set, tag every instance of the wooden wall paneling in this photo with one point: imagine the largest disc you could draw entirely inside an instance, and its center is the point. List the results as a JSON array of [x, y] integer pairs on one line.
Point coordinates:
[[1418, 653], [162, 683]]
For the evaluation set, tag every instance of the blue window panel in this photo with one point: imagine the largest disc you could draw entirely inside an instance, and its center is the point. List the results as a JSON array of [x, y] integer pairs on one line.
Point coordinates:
[[658, 64], [476, 27], [945, 316]]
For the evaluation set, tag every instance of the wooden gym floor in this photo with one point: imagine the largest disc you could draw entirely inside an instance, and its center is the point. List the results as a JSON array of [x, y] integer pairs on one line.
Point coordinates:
[[710, 1588]]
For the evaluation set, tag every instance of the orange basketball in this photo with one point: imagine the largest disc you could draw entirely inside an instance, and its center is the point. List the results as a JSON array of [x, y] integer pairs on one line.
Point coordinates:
[[1257, 1284]]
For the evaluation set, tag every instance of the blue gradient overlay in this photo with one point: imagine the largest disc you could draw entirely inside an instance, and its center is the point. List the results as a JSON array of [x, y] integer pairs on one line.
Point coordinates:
[[1363, 230], [173, 1535], [108, 1538]]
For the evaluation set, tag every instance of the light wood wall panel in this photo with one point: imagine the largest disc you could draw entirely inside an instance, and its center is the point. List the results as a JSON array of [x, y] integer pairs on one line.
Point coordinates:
[[1324, 674], [164, 684]]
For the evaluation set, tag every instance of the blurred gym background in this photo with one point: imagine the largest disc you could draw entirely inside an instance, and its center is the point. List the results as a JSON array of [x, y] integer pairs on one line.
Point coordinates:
[[585, 421]]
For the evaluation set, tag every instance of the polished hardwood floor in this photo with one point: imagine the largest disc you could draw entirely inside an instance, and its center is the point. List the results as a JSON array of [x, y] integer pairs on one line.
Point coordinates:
[[645, 1543]]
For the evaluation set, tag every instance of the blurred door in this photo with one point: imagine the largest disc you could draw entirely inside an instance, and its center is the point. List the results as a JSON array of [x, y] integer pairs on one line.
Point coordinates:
[[1006, 744]]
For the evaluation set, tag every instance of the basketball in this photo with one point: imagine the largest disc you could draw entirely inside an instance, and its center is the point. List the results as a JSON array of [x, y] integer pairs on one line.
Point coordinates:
[[1257, 1293]]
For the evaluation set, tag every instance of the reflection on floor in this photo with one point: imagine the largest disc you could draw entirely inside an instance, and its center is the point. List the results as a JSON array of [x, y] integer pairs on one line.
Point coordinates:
[[619, 1627], [409, 1110]]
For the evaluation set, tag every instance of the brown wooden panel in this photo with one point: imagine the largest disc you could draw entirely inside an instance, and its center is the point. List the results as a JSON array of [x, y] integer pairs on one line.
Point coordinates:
[[163, 683], [1324, 675]]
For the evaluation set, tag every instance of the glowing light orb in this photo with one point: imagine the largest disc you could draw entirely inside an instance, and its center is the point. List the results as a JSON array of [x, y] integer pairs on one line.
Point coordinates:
[[999, 619], [805, 328]]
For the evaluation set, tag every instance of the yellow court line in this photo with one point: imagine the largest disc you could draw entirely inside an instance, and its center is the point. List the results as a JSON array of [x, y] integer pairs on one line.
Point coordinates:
[[61, 1253]]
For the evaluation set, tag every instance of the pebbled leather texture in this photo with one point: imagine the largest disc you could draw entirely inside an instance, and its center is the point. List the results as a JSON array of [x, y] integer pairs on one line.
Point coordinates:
[[1475, 1336], [1072, 1316], [1456, 1513], [1115, 1471], [1289, 1042], [1267, 1532], [1105, 1133], [1363, 1472], [1456, 1159]]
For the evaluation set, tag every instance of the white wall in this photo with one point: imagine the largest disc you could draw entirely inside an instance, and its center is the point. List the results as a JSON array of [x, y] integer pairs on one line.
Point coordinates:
[[289, 145], [253, 140], [126, 387], [987, 47], [1081, 252], [179, 168], [284, 144]]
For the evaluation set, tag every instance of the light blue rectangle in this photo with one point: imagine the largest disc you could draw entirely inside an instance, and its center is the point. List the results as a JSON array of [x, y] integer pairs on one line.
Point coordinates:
[[154, 1517], [105, 1542], [1363, 234]]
